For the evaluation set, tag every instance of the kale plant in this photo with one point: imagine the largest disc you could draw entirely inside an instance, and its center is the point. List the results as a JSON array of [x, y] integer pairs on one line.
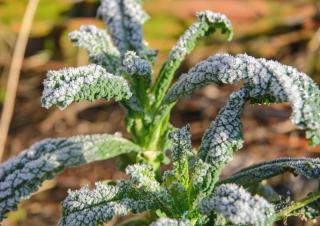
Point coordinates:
[[191, 193]]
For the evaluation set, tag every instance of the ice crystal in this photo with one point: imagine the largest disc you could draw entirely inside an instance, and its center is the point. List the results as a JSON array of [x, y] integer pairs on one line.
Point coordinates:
[[90, 82], [124, 19], [98, 45], [238, 206]]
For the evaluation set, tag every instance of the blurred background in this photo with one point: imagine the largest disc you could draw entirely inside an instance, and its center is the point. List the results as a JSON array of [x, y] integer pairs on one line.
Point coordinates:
[[285, 30]]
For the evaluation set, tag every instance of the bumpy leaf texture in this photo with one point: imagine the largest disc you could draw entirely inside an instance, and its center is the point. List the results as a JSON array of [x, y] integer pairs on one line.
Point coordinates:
[[22, 175], [89, 82], [224, 134], [142, 177], [124, 20], [99, 46], [207, 23], [135, 65], [308, 167], [181, 150], [201, 178], [87, 207], [238, 206], [267, 81], [171, 222], [140, 193]]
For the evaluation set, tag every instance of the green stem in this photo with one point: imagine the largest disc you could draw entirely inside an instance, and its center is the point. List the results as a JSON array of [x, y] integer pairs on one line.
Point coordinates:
[[286, 212]]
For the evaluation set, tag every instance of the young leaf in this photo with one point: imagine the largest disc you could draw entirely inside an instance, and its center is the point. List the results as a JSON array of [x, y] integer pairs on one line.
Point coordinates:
[[89, 82], [98, 45], [201, 179], [22, 175], [94, 207], [267, 81], [171, 222], [143, 178], [181, 151], [308, 167], [239, 206], [124, 20], [207, 23]]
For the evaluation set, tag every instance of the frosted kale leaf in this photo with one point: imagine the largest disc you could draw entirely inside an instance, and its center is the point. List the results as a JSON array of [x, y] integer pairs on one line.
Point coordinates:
[[98, 45], [171, 222], [22, 175], [124, 20], [140, 193], [307, 167], [90, 82], [267, 81], [93, 207], [224, 135], [238, 206], [207, 23]]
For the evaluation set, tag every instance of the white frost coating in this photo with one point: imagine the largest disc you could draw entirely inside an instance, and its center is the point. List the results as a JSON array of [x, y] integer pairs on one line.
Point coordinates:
[[98, 45], [266, 80], [171, 222], [206, 24], [97, 214], [181, 144], [22, 175], [201, 176], [140, 193], [85, 207], [84, 197], [308, 167], [135, 65], [89, 82], [239, 206], [143, 176], [205, 18], [124, 19], [224, 135]]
